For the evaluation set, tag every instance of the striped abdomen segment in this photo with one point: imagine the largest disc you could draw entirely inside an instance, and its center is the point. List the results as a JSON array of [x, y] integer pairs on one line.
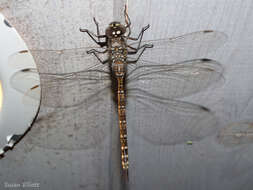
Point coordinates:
[[122, 123], [121, 98]]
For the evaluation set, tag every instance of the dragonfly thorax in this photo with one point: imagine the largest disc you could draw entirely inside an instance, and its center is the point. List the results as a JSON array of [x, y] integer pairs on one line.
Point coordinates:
[[118, 53], [118, 56]]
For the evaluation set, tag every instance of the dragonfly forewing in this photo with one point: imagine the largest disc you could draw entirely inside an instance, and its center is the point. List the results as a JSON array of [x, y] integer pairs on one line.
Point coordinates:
[[186, 47], [25, 82], [61, 89], [65, 60]]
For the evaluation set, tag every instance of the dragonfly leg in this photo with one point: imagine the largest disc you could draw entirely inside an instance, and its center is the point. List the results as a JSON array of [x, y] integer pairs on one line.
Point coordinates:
[[139, 36], [97, 26], [95, 52], [93, 36], [142, 48], [135, 50]]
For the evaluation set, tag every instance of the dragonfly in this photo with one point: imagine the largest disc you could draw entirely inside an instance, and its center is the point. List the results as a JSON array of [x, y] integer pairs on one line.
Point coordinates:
[[149, 76]]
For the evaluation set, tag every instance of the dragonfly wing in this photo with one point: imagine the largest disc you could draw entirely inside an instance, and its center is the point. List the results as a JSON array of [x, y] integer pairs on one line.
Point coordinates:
[[62, 128], [55, 61], [25, 82], [176, 80], [168, 122], [21, 60], [57, 90], [32, 97], [72, 89], [189, 46], [76, 85], [60, 88]]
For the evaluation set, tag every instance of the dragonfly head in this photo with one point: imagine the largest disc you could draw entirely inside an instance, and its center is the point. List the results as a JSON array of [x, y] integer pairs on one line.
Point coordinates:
[[115, 29]]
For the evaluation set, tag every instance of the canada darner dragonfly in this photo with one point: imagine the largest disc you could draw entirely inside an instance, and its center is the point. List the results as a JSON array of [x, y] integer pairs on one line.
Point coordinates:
[[150, 73]]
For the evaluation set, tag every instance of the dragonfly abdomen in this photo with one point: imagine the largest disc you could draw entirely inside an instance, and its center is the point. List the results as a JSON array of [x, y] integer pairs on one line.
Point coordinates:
[[122, 123], [118, 56], [119, 72]]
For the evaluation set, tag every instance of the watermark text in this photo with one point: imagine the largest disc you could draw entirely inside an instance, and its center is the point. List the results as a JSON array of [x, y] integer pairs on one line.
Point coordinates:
[[25, 184]]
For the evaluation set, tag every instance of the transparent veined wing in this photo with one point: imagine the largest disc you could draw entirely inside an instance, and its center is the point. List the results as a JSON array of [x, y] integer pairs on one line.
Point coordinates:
[[73, 85], [152, 109], [28, 83], [175, 80], [188, 46], [168, 122], [66, 60], [85, 76], [62, 128]]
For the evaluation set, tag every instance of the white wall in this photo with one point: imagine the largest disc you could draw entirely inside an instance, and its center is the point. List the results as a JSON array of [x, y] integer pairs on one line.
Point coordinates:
[[15, 115]]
